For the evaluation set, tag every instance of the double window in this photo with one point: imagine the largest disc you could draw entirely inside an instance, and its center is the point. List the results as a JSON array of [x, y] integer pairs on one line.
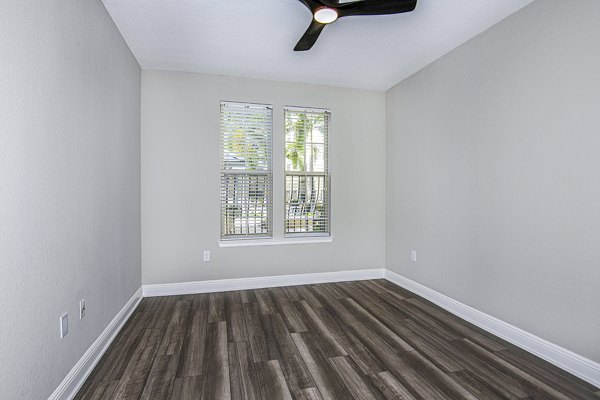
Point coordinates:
[[247, 171]]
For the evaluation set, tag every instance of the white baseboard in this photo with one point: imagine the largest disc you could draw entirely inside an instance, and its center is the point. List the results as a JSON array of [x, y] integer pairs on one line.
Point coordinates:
[[577, 365], [79, 373], [224, 285]]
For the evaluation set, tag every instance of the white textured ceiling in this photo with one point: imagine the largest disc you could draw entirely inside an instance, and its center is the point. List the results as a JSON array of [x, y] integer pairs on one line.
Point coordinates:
[[255, 38]]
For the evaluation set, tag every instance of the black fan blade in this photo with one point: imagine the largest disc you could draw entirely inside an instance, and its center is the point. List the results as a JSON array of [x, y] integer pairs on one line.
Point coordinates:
[[310, 36], [376, 7], [312, 4], [329, 3]]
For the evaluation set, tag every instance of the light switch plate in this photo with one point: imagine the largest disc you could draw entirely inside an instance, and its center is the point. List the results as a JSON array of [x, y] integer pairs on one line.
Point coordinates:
[[413, 255], [64, 325]]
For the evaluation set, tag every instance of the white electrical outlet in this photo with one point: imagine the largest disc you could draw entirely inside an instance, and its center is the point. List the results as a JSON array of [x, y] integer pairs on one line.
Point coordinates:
[[64, 325], [413, 255], [206, 255], [82, 309]]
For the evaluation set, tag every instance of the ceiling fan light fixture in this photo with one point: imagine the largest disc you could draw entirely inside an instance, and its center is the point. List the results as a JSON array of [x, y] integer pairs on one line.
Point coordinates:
[[327, 11], [325, 15]]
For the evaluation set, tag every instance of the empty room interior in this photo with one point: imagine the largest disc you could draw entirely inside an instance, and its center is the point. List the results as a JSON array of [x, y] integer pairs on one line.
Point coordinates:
[[300, 199]]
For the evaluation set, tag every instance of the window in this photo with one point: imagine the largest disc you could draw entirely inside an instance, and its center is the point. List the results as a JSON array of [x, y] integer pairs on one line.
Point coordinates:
[[247, 174], [246, 171], [306, 172]]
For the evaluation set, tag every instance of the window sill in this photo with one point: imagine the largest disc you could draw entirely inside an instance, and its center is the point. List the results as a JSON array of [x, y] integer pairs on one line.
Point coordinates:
[[275, 242]]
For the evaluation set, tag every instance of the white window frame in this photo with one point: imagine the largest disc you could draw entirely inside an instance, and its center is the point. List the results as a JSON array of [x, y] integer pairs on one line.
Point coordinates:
[[266, 172], [325, 174], [277, 236]]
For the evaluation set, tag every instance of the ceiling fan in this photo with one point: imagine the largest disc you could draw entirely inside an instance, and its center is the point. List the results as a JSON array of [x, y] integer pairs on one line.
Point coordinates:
[[327, 11]]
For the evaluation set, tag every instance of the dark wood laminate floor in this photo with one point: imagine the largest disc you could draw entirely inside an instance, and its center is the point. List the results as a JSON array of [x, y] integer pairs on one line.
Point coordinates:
[[338, 341]]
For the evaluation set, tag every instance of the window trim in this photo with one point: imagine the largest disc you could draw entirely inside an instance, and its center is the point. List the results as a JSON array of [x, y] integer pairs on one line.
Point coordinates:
[[249, 242]]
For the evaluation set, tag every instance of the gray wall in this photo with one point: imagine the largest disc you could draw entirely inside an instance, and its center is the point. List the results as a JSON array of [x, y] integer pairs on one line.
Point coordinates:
[[69, 185], [493, 173], [180, 179]]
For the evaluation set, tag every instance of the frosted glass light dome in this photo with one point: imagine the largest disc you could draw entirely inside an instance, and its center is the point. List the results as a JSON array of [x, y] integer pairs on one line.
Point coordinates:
[[325, 15]]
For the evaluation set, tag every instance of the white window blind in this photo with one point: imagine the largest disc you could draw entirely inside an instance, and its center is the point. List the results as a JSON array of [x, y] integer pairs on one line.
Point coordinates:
[[307, 178], [246, 170]]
